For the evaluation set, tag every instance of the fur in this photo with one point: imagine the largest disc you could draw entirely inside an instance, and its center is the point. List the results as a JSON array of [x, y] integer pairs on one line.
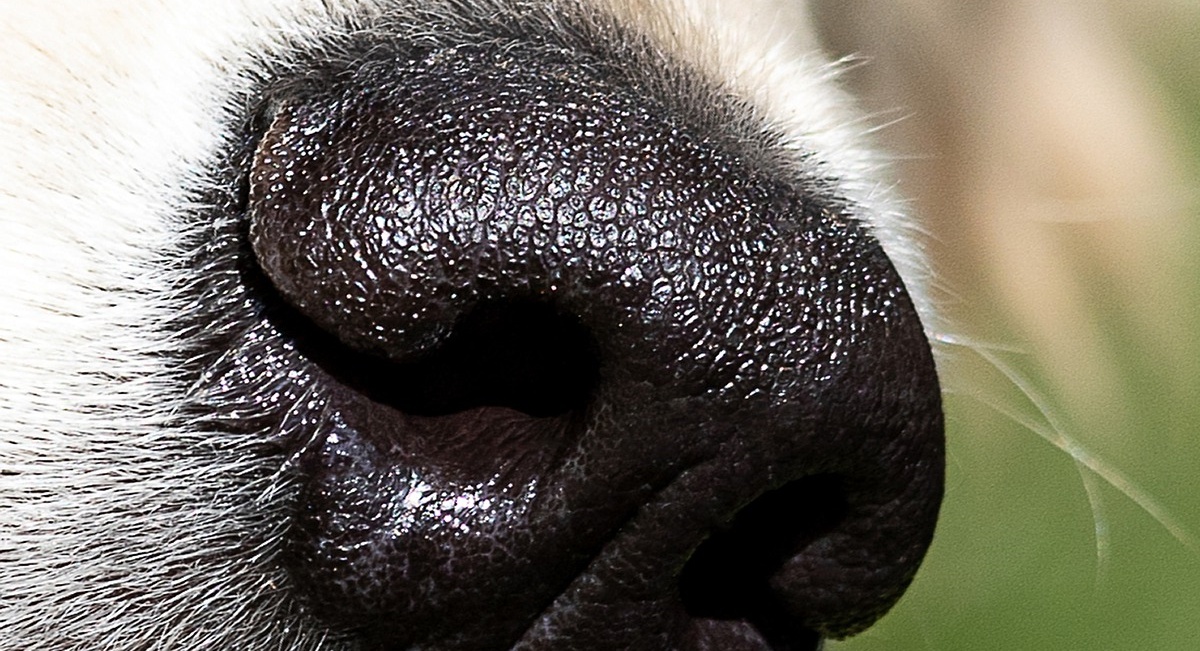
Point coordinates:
[[128, 523]]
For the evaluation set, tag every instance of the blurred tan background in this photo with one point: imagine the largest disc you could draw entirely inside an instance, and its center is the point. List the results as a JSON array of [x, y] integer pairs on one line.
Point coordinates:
[[1052, 149]]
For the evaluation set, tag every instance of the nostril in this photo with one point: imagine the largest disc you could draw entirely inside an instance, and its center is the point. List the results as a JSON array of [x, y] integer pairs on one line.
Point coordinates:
[[524, 355], [729, 575]]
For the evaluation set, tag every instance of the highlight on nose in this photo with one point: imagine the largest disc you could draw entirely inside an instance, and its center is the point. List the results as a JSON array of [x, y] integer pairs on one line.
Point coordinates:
[[595, 375]]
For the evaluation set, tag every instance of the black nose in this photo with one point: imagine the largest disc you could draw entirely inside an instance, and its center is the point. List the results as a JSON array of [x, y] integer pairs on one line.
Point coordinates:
[[598, 375]]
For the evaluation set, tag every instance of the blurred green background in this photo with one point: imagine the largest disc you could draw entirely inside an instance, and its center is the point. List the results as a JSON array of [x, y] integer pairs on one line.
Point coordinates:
[[1024, 558]]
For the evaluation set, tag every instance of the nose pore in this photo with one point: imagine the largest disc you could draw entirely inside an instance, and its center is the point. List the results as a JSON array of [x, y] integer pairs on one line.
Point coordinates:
[[743, 426]]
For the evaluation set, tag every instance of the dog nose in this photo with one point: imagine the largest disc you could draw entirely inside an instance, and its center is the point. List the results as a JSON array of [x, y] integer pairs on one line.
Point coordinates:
[[598, 374]]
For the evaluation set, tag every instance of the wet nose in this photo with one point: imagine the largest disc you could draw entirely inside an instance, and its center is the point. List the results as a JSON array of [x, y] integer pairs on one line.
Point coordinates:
[[598, 374]]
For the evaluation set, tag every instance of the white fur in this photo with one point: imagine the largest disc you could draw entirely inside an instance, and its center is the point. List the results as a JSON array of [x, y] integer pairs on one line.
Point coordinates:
[[123, 525]]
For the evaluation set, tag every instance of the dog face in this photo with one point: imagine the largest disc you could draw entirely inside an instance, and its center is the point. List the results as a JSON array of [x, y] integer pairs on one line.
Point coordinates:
[[539, 325]]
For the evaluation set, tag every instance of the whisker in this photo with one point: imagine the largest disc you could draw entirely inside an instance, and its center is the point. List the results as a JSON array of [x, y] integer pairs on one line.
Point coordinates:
[[1053, 430]]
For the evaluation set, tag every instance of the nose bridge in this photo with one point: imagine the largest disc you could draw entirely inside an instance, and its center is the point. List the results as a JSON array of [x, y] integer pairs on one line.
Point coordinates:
[[500, 186], [579, 197]]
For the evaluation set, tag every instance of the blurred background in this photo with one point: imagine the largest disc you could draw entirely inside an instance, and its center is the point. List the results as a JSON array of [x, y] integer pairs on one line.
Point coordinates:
[[1052, 148]]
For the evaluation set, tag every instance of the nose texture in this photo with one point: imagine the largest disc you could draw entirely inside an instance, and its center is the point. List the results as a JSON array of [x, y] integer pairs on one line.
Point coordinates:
[[595, 377]]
